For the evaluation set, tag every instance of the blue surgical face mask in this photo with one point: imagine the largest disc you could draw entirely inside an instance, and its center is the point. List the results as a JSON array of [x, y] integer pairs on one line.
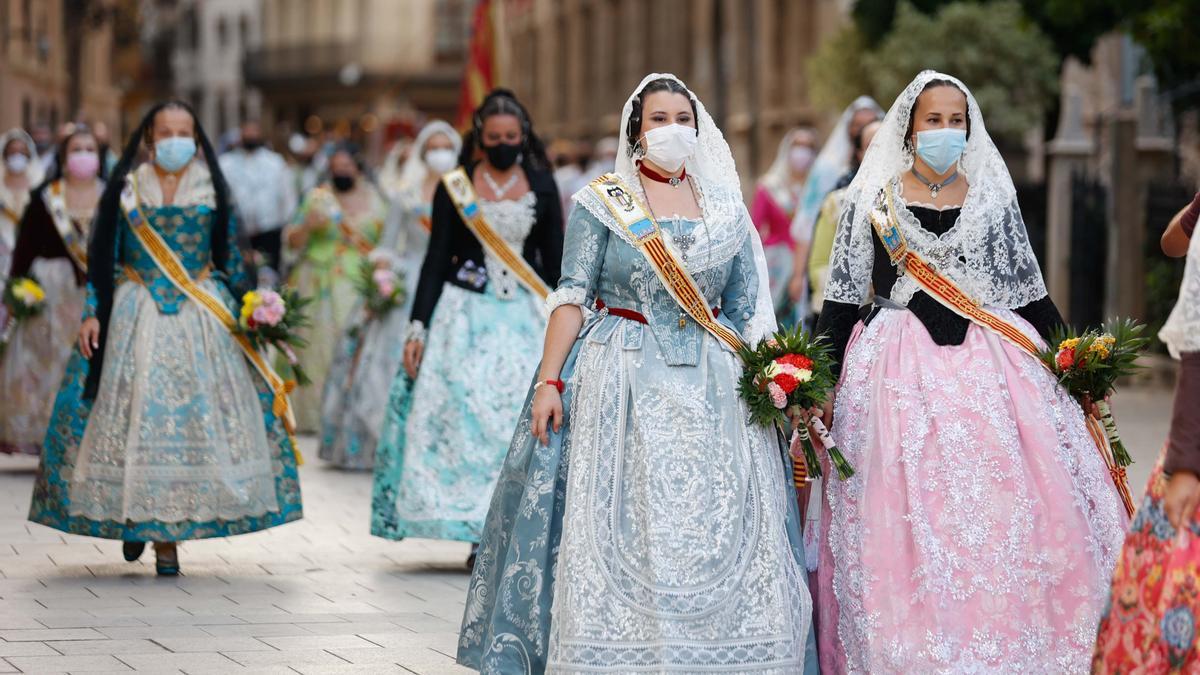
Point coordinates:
[[172, 154], [941, 148]]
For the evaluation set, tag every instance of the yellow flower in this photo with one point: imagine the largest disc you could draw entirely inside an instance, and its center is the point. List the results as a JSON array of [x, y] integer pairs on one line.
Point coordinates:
[[1099, 348], [1068, 344], [29, 292]]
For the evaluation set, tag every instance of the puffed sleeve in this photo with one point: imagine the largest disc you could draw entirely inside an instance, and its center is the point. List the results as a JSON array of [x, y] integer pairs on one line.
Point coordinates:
[[582, 260], [740, 295]]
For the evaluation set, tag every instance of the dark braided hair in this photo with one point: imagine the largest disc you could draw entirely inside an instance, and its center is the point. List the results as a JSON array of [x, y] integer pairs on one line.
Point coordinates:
[[109, 214], [633, 132], [504, 102]]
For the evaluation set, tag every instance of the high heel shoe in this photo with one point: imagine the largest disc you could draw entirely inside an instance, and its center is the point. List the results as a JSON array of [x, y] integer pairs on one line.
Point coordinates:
[[166, 558], [133, 550]]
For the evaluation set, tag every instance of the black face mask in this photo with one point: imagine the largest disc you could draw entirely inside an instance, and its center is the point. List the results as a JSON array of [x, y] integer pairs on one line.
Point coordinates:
[[503, 155], [343, 183], [252, 144]]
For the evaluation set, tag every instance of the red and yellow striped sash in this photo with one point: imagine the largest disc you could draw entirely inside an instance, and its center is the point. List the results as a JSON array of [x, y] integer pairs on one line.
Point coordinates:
[[462, 193], [168, 263], [646, 236]]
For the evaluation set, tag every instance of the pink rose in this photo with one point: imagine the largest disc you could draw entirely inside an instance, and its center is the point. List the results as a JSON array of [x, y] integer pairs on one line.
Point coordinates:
[[385, 281], [778, 396], [268, 315]]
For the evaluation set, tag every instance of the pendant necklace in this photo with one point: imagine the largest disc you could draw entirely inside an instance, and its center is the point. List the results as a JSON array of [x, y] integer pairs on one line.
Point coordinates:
[[683, 241], [500, 190], [934, 188]]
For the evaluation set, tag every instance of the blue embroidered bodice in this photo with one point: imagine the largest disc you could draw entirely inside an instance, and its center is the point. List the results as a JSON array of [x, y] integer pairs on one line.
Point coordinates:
[[598, 264], [187, 230]]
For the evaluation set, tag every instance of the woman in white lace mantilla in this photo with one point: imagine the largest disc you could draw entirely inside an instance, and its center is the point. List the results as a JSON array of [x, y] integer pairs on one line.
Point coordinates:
[[472, 340], [672, 543], [981, 526]]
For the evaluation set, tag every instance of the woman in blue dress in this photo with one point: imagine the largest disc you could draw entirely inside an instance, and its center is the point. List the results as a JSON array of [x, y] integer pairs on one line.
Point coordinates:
[[355, 397], [474, 336], [162, 430], [672, 541]]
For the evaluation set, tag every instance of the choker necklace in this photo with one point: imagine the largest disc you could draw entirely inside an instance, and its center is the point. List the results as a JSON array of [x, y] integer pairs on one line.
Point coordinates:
[[500, 190], [673, 181], [934, 188]]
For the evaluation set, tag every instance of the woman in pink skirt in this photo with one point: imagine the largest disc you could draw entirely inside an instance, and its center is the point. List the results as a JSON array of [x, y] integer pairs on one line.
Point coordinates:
[[982, 524]]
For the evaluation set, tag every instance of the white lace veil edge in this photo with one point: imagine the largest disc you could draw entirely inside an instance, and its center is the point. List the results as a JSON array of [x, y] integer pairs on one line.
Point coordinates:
[[1181, 332], [414, 170], [988, 250], [831, 163], [721, 199]]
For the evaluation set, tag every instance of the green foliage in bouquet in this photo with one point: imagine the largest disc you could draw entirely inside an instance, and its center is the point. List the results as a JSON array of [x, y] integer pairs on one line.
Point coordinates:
[[1089, 365]]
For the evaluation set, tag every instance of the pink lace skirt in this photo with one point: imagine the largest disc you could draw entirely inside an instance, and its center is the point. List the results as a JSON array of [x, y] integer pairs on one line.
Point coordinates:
[[981, 527]]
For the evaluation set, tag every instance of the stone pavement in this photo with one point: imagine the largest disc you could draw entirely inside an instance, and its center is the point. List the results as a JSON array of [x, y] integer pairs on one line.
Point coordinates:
[[317, 596]]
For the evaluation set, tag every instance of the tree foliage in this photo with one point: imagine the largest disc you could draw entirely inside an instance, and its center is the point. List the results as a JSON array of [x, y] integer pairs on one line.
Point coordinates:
[[1010, 66]]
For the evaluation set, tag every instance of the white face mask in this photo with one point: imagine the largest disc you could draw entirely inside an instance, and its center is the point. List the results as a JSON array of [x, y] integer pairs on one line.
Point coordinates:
[[670, 146], [441, 160], [17, 162], [801, 157]]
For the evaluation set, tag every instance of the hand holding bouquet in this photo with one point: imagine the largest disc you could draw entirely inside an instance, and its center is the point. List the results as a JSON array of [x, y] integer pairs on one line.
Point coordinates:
[[382, 289], [25, 299], [270, 319], [788, 375], [1088, 366]]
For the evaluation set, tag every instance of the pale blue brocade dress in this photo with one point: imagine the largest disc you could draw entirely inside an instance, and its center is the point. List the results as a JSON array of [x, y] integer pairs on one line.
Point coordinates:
[[672, 541]]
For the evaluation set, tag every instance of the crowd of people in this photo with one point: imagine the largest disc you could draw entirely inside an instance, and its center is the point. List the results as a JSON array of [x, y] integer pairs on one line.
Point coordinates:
[[557, 383]]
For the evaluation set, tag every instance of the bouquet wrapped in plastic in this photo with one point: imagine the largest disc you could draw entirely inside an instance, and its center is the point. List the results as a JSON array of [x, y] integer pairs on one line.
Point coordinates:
[[271, 319]]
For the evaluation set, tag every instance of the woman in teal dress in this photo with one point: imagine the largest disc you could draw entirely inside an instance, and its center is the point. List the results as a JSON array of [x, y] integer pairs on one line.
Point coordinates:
[[641, 523], [162, 430], [444, 437]]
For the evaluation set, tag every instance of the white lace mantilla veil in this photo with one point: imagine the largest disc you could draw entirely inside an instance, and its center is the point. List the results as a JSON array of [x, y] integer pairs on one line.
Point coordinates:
[[715, 175], [1181, 333], [828, 167], [986, 253], [413, 172]]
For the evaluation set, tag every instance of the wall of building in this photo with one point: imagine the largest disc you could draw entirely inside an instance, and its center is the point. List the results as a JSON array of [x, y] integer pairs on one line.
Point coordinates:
[[33, 67], [574, 62]]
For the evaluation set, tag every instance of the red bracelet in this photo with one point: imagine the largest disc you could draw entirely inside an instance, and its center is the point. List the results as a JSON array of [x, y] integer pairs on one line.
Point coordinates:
[[558, 384]]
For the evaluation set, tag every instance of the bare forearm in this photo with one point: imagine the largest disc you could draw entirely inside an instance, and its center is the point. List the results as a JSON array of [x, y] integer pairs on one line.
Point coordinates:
[[564, 327], [800, 259]]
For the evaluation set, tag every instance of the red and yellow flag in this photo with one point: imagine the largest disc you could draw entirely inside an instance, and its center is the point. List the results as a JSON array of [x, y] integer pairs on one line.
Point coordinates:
[[482, 71]]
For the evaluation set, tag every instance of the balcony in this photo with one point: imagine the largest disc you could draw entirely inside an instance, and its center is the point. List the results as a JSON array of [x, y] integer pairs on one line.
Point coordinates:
[[304, 63]]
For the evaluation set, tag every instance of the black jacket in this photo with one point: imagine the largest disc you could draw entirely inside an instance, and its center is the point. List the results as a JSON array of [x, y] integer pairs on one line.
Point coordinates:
[[452, 246]]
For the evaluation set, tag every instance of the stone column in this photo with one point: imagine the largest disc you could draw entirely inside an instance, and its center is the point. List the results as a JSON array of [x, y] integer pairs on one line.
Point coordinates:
[[1070, 153]]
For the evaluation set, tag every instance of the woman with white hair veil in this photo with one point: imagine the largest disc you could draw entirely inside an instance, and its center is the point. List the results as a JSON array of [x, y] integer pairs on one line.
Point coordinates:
[[834, 160], [980, 528], [355, 396], [672, 543], [20, 173]]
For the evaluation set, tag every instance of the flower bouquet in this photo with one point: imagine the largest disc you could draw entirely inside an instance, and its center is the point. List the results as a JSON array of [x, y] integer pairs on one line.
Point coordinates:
[[1089, 364], [25, 299], [382, 289], [270, 319], [787, 375]]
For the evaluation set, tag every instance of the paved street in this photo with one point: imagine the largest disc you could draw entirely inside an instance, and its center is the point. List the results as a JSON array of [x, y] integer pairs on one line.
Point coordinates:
[[317, 596]]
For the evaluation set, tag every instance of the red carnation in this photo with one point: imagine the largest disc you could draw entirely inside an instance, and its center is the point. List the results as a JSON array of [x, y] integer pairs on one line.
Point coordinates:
[[786, 382], [1065, 358], [799, 361], [251, 324]]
